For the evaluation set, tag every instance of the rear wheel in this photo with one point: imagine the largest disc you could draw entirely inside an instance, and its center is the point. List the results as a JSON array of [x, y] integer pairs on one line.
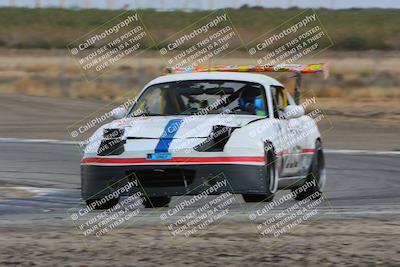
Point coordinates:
[[156, 202], [271, 178], [316, 176], [97, 204]]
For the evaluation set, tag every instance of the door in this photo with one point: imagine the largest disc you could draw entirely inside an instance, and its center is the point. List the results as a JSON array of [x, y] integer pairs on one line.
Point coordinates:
[[290, 145]]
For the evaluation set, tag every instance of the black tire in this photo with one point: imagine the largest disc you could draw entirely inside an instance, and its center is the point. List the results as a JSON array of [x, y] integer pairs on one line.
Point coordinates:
[[156, 202], [271, 178], [249, 198], [316, 173], [107, 205]]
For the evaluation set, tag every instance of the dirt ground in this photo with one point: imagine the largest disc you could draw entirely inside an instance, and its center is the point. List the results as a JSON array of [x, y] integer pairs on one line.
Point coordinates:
[[363, 124], [368, 241]]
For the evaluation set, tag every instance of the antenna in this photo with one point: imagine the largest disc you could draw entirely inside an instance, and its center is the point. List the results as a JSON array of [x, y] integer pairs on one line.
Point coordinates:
[[297, 91]]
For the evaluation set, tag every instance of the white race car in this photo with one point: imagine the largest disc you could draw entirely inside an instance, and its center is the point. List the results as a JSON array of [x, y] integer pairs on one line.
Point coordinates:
[[193, 128]]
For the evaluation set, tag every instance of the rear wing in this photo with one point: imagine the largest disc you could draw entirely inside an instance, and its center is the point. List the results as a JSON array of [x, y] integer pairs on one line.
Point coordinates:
[[298, 69]]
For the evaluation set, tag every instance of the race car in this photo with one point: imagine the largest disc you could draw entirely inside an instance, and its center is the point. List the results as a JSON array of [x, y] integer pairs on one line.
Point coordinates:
[[196, 127]]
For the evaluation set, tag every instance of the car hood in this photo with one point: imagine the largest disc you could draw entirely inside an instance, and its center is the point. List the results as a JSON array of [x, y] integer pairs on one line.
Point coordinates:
[[183, 126]]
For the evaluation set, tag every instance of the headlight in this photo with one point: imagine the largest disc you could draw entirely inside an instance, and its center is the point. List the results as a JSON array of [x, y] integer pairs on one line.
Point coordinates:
[[112, 143]]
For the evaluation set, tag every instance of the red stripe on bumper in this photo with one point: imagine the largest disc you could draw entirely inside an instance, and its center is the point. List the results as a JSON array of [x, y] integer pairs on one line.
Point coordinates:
[[173, 160], [303, 151], [308, 150]]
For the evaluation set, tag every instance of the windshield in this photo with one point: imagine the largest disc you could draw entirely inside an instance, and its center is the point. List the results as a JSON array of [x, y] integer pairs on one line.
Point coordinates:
[[202, 97]]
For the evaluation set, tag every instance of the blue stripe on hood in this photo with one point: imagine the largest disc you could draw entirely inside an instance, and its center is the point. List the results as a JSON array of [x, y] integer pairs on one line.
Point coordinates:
[[168, 134]]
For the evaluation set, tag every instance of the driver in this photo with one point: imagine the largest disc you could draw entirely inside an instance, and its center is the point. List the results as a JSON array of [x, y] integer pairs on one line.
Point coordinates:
[[251, 101]]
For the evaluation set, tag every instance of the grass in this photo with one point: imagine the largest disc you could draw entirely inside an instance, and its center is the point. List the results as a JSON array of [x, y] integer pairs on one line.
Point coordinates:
[[353, 76], [45, 85], [55, 28]]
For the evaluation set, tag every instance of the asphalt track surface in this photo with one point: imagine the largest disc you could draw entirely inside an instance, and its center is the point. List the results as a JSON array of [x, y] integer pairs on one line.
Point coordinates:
[[359, 184]]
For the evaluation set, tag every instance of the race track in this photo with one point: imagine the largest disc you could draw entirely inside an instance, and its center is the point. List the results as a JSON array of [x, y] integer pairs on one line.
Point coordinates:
[[359, 184]]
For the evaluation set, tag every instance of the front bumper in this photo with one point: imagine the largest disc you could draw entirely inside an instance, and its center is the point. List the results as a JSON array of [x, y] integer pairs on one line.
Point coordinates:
[[172, 180]]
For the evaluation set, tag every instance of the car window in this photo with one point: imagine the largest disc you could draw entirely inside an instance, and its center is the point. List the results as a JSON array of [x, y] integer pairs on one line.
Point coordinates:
[[279, 99], [194, 97], [290, 99], [153, 101]]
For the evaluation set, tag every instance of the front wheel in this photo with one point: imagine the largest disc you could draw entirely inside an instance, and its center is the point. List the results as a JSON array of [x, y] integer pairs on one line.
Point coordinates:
[[271, 178], [316, 178], [250, 198], [100, 204]]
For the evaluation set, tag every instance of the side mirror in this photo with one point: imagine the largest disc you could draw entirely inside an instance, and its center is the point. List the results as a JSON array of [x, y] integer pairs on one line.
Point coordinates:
[[293, 111], [118, 113]]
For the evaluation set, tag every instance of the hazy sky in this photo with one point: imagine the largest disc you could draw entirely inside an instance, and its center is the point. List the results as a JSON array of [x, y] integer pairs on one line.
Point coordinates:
[[206, 4]]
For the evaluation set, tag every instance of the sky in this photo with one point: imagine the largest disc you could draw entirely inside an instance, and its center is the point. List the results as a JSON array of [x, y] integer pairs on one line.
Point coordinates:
[[208, 4]]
